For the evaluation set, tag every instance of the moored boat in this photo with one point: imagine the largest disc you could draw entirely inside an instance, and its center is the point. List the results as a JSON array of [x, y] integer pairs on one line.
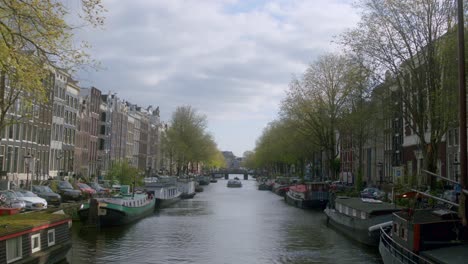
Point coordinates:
[[164, 189], [39, 237], [234, 183], [309, 195], [187, 188], [424, 236], [264, 186], [360, 218], [117, 210], [203, 180]]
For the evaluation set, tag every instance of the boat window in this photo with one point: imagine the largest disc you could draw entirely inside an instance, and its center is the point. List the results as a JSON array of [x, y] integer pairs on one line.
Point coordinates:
[[35, 243], [403, 234], [51, 237], [363, 215], [14, 249], [346, 210], [395, 228], [354, 212]]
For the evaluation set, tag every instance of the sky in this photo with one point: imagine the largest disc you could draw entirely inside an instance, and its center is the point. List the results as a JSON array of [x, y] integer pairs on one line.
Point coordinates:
[[231, 60]]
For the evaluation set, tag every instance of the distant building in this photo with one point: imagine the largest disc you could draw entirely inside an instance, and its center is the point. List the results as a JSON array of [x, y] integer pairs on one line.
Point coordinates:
[[232, 162]]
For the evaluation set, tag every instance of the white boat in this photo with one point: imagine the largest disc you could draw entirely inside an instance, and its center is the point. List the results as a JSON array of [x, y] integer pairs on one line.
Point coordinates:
[[187, 188], [164, 189]]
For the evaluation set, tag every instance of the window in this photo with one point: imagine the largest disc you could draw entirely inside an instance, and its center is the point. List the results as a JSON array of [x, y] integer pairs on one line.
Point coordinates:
[[35, 243], [14, 248], [403, 233], [10, 131], [363, 215], [51, 237]]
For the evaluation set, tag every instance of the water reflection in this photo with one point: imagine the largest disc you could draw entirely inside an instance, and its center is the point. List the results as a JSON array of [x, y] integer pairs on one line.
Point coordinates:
[[222, 225]]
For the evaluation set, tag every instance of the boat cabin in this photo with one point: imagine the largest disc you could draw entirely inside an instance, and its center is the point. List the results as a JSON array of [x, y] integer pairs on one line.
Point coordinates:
[[419, 230], [39, 237], [363, 208]]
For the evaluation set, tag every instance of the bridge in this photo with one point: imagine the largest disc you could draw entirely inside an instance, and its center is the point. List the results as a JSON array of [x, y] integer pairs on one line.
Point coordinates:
[[225, 173]]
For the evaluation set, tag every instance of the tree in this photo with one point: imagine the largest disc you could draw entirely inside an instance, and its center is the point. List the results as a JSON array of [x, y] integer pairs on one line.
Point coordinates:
[[360, 115], [34, 38], [316, 102], [412, 40], [126, 174], [279, 148], [188, 144]]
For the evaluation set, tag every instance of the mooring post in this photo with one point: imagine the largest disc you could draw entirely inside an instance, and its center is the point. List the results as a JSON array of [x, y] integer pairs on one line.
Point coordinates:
[[246, 176], [226, 176]]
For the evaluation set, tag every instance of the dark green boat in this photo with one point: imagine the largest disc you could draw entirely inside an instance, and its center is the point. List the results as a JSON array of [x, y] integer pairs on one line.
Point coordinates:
[[117, 210]]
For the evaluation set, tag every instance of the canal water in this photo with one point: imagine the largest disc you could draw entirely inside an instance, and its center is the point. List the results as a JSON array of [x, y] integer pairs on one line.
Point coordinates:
[[222, 225]]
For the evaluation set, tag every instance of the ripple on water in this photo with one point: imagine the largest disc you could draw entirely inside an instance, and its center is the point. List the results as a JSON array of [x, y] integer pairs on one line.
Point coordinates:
[[222, 225]]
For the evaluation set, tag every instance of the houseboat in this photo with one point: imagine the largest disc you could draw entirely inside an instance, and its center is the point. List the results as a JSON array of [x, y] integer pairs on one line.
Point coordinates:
[[424, 236], [360, 218], [39, 237], [117, 210], [308, 195], [186, 187], [164, 190]]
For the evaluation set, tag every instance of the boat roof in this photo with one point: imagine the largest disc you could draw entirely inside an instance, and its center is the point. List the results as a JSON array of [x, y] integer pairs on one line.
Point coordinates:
[[428, 216], [21, 222], [450, 254], [233, 180], [367, 205]]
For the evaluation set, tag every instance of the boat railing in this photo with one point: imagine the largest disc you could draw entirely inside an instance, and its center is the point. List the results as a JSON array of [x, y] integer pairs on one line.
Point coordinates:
[[403, 254]]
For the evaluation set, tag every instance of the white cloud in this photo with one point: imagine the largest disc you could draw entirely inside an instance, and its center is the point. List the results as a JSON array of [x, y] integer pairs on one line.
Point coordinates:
[[230, 59]]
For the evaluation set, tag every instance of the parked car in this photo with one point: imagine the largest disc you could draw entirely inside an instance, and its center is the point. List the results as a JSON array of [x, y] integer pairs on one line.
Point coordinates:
[[85, 189], [66, 190], [98, 188], [10, 199], [45, 192], [338, 186], [33, 202], [373, 193]]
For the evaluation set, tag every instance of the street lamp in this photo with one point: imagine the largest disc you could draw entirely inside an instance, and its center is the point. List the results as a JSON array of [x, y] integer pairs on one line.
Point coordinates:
[[27, 163]]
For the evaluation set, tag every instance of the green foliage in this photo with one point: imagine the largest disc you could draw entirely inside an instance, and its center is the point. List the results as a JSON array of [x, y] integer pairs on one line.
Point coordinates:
[[186, 143], [54, 186], [349, 193], [417, 53], [36, 38], [359, 183], [124, 173], [335, 166]]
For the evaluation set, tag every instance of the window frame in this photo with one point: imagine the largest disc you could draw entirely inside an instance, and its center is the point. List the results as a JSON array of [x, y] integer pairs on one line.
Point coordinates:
[[20, 249], [50, 243], [35, 249]]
